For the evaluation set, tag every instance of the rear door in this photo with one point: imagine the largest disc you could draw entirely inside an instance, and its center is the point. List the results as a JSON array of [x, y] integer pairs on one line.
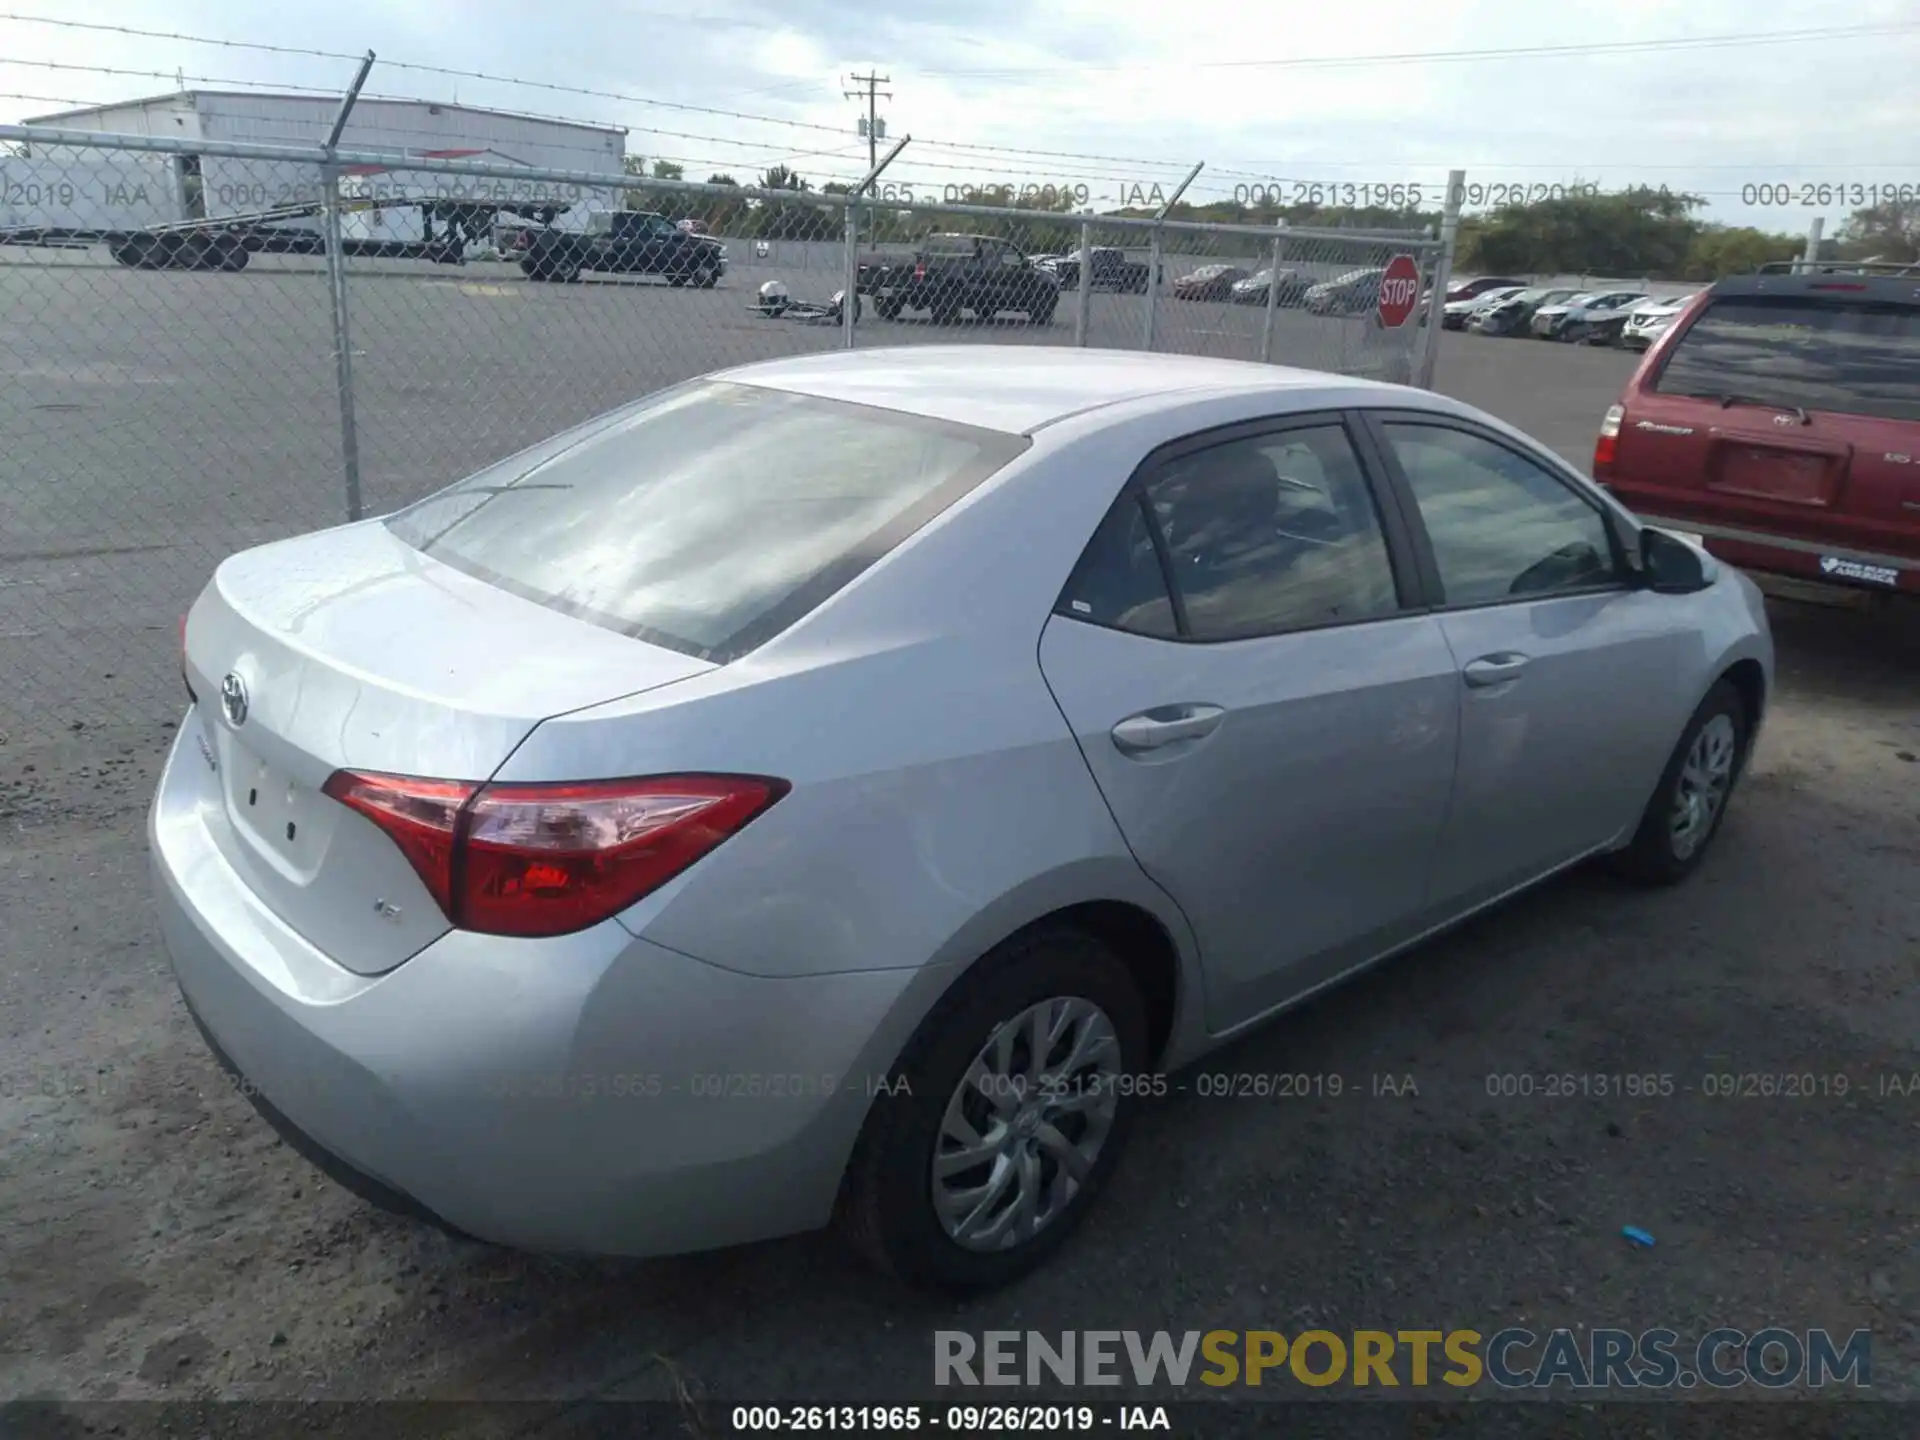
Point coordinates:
[[1564, 668], [1272, 727], [1796, 413]]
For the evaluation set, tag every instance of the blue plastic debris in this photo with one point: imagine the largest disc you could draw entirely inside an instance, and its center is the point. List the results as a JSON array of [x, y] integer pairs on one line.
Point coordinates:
[[1636, 1235]]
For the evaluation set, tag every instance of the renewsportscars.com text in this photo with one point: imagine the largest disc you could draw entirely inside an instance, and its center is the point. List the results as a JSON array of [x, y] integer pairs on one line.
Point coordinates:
[[1512, 1358]]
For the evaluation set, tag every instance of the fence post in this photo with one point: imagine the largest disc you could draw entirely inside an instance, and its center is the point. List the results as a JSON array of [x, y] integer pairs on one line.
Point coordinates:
[[342, 344], [1273, 294], [1814, 229], [1153, 254], [850, 295], [1427, 354], [1153, 289], [1082, 287], [337, 293]]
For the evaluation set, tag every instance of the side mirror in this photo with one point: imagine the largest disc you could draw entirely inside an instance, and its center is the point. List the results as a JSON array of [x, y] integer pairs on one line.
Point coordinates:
[[1670, 565]]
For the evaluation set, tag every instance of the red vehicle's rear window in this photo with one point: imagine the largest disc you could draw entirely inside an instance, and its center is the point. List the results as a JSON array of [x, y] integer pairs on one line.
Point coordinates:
[[1854, 357]]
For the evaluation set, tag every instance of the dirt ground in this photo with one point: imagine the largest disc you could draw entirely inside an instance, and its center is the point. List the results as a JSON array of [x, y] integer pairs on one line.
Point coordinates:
[[157, 1242], [160, 1242]]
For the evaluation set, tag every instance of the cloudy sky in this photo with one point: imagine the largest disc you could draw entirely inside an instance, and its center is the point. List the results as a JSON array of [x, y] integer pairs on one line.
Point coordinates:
[[1106, 94]]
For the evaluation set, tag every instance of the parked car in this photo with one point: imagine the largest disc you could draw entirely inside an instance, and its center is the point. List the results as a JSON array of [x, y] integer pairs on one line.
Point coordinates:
[[622, 242], [1605, 327], [951, 273], [1511, 315], [766, 868], [1455, 313], [1355, 293], [1109, 269], [1478, 286], [1644, 325], [1779, 417], [1209, 282], [1570, 319], [1253, 289]]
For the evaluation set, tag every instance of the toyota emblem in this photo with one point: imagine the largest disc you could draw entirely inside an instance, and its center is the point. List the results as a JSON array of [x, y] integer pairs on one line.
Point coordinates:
[[1785, 420], [233, 699]]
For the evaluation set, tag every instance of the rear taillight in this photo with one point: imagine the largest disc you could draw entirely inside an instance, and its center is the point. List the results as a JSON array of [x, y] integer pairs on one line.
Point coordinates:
[[1603, 447], [540, 859], [919, 272]]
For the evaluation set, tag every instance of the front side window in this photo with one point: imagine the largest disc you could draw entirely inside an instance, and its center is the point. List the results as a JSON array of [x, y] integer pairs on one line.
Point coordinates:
[[1501, 526], [709, 516]]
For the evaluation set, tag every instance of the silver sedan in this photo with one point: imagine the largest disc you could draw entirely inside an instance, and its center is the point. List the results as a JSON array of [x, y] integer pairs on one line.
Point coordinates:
[[846, 786]]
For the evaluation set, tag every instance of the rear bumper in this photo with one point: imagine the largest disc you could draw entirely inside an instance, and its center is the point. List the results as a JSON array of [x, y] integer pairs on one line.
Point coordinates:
[[1788, 555], [594, 1094]]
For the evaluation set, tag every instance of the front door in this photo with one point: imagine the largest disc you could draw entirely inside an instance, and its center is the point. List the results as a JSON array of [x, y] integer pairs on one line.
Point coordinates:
[[1564, 664]]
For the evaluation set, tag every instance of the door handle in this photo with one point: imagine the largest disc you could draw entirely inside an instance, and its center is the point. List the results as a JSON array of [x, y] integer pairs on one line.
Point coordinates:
[[1165, 725], [1495, 669]]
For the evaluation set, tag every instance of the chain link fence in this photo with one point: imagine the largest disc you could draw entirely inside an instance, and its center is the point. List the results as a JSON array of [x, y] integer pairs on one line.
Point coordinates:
[[283, 339]]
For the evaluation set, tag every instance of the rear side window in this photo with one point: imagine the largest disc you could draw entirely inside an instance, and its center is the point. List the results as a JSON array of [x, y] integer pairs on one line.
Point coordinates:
[[710, 517], [1261, 536], [1854, 357]]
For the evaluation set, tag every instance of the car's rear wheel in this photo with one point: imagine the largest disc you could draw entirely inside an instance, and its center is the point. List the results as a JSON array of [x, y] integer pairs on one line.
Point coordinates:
[[1691, 800], [945, 312], [1003, 1118], [707, 276], [889, 308]]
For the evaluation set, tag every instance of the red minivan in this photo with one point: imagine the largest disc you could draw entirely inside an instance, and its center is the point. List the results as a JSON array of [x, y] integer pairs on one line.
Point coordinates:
[[1778, 418]]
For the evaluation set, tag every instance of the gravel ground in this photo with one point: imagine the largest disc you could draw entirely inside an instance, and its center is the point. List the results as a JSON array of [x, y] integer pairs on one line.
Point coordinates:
[[160, 1242]]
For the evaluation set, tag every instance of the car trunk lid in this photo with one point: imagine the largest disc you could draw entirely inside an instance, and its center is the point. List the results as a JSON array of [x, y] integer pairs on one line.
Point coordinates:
[[352, 650]]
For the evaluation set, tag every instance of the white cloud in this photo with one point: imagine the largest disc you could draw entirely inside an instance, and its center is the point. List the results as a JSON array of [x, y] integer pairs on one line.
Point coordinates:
[[1711, 120]]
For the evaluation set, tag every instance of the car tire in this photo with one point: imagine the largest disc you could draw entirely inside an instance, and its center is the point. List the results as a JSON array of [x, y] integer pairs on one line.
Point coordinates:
[[888, 309], [706, 277], [887, 1206], [1691, 800], [945, 312]]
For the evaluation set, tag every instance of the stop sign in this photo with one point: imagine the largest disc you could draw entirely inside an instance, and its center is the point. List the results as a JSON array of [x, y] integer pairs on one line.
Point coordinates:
[[1399, 290]]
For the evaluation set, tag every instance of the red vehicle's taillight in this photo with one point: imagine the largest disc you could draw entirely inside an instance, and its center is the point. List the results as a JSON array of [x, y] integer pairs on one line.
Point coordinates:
[[548, 859], [919, 272], [1609, 437]]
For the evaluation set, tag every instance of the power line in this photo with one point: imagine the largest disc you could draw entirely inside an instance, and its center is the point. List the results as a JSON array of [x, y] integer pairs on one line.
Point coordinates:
[[954, 146], [1436, 57]]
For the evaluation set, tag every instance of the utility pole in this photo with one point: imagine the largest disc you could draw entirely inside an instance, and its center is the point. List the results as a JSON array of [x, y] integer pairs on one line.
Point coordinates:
[[873, 127]]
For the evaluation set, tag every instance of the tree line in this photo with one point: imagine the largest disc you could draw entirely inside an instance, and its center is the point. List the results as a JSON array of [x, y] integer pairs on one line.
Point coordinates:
[[1640, 231]]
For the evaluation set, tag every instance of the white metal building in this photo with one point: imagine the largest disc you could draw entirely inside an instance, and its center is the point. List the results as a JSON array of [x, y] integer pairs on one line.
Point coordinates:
[[214, 186]]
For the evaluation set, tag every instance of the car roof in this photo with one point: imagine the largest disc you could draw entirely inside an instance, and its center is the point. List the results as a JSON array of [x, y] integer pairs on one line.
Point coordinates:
[[1020, 388], [1860, 285]]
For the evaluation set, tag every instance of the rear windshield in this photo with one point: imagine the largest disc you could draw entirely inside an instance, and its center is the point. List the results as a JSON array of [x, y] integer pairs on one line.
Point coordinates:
[[1852, 356], [709, 517], [949, 245]]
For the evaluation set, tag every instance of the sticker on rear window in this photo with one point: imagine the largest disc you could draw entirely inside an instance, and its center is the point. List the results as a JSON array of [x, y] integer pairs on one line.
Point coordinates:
[[1854, 570]]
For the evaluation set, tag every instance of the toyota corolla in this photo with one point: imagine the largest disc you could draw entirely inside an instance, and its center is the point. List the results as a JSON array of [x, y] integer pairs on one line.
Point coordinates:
[[844, 787]]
